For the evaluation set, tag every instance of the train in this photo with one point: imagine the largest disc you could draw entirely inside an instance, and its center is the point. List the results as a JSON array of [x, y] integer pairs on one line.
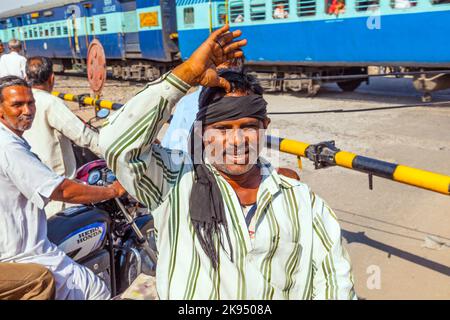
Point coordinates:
[[292, 44]]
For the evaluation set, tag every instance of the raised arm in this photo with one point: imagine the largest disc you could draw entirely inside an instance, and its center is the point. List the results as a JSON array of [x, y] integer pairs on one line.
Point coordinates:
[[148, 171], [68, 124]]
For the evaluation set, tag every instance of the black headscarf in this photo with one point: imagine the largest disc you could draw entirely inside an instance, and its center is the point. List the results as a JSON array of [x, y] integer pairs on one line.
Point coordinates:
[[206, 205]]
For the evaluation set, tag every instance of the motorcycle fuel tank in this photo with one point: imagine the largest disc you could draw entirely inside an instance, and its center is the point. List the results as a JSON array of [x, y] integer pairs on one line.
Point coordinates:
[[79, 231]]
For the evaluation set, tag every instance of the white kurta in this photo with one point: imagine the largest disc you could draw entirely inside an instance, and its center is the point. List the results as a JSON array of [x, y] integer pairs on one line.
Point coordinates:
[[26, 185], [13, 64], [54, 129]]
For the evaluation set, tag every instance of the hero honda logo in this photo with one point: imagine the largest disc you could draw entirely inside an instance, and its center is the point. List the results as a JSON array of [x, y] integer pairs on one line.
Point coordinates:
[[84, 240], [89, 234]]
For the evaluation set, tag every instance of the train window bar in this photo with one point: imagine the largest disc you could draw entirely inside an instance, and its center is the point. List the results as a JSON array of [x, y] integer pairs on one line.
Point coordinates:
[[103, 24], [189, 16], [367, 5], [438, 2], [306, 8], [403, 4], [257, 10]]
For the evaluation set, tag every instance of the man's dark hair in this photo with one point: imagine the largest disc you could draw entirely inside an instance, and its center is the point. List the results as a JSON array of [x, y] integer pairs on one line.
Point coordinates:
[[239, 81], [39, 70], [11, 81]]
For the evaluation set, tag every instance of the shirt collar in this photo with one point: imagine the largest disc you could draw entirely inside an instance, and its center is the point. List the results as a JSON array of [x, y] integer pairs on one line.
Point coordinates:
[[15, 136]]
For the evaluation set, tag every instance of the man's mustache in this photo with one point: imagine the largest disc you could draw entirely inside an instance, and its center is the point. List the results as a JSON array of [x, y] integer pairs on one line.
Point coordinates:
[[240, 149], [25, 118]]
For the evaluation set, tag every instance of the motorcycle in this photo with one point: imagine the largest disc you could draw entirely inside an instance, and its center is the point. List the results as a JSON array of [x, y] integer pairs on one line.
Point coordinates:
[[113, 238]]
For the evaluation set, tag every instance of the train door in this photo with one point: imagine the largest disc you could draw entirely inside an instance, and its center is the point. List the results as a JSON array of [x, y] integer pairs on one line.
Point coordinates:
[[73, 12], [130, 27], [89, 30], [19, 34], [169, 28]]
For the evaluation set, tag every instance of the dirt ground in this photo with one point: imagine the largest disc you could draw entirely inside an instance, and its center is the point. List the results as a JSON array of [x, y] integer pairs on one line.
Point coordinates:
[[398, 236]]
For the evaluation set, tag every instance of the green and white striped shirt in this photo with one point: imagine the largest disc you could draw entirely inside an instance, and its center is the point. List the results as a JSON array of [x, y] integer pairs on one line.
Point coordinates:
[[296, 251]]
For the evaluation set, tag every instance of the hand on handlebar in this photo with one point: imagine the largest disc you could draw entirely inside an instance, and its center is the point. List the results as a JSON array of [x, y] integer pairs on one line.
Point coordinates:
[[117, 187]]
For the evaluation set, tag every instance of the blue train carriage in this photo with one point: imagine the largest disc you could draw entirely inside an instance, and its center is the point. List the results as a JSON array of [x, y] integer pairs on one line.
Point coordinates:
[[306, 38], [139, 37]]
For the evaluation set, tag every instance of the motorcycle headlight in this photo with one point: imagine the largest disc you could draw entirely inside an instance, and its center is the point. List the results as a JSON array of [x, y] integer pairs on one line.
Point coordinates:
[[94, 177]]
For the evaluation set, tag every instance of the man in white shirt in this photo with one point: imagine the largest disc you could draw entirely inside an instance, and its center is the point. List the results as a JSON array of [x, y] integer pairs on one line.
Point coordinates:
[[13, 64], [26, 186], [55, 126]]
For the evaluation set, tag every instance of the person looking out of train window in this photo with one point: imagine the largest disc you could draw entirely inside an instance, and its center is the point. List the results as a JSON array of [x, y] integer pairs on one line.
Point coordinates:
[[26, 186], [229, 227], [55, 127], [402, 4], [2, 48], [13, 63], [280, 13], [239, 18], [336, 7]]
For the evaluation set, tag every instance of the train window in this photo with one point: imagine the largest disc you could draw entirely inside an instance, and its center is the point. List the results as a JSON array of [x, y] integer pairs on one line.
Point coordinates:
[[188, 14], [434, 2], [403, 4], [58, 30], [103, 24], [46, 32], [280, 9], [335, 7], [25, 34], [367, 5], [306, 8], [91, 22], [52, 31], [257, 10], [221, 14], [65, 30], [30, 33], [35, 32], [13, 34], [41, 32], [237, 11]]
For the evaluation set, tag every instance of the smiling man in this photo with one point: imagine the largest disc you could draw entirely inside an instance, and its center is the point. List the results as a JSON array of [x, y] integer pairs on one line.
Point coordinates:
[[227, 225]]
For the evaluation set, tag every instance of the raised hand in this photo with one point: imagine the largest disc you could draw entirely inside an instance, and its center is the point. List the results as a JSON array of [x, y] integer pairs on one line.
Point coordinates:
[[200, 68]]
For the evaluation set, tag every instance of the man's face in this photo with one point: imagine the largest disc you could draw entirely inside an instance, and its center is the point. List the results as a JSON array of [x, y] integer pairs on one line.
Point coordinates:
[[232, 146], [17, 109]]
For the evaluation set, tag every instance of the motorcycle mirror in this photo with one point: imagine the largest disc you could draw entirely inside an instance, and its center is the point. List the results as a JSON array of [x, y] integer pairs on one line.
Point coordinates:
[[102, 113]]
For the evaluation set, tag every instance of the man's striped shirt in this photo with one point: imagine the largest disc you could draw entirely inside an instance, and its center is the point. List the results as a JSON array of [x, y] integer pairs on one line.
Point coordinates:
[[296, 250]]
